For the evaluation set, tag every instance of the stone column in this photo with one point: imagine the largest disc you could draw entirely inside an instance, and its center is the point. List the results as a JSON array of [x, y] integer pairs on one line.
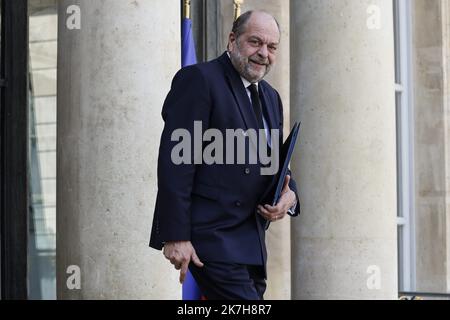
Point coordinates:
[[446, 69], [431, 144], [279, 234], [113, 75], [342, 89]]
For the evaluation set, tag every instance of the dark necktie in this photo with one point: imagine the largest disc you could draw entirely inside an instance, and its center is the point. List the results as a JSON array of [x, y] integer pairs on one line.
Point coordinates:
[[258, 110], [256, 104]]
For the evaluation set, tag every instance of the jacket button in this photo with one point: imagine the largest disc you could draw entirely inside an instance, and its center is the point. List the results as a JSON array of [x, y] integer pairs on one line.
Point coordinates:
[[247, 170], [238, 203]]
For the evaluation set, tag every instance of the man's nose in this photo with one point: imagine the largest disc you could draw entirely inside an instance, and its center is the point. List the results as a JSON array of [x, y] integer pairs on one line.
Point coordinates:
[[263, 51]]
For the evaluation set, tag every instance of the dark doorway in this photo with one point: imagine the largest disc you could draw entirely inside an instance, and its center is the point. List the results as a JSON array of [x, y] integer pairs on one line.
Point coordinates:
[[14, 148]]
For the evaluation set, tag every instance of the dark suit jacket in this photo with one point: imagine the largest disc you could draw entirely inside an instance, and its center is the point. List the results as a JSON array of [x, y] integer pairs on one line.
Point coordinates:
[[213, 206]]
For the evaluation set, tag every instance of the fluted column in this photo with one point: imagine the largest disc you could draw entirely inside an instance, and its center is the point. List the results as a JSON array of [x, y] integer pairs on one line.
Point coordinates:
[[113, 75], [342, 89]]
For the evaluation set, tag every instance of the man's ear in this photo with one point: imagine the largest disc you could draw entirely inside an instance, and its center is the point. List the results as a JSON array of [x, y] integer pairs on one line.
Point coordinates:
[[231, 41]]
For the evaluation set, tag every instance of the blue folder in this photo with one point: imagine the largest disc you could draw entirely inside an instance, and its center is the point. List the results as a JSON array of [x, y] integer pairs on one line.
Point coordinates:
[[286, 151]]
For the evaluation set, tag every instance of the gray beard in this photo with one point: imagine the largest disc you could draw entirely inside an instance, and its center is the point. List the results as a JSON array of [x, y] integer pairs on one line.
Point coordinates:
[[242, 65]]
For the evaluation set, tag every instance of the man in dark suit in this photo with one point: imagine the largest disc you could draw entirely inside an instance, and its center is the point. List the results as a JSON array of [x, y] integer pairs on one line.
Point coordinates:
[[211, 218]]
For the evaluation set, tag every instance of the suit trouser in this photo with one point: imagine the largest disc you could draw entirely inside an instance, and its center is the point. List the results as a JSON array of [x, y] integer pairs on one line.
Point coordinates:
[[230, 281]]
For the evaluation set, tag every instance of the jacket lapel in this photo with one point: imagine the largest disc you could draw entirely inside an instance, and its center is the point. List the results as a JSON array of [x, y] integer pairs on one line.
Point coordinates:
[[239, 92]]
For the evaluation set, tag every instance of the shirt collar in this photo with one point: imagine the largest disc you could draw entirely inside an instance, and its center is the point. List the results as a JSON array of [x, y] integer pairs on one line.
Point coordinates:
[[245, 82]]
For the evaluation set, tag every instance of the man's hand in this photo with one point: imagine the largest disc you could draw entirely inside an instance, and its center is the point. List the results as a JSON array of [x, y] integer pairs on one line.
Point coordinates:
[[180, 254], [286, 202]]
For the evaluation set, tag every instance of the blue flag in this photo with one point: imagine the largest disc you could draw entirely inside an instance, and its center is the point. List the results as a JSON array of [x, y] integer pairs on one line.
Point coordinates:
[[188, 56], [191, 291]]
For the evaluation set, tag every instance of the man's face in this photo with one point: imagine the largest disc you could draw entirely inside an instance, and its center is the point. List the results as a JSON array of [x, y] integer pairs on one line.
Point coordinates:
[[254, 53]]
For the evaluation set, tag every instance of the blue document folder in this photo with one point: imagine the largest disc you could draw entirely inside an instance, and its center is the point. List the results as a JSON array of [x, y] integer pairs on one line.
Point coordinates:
[[286, 151]]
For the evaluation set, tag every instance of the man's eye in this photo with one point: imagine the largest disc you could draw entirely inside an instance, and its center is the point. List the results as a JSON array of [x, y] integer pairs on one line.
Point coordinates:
[[254, 42], [273, 48]]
